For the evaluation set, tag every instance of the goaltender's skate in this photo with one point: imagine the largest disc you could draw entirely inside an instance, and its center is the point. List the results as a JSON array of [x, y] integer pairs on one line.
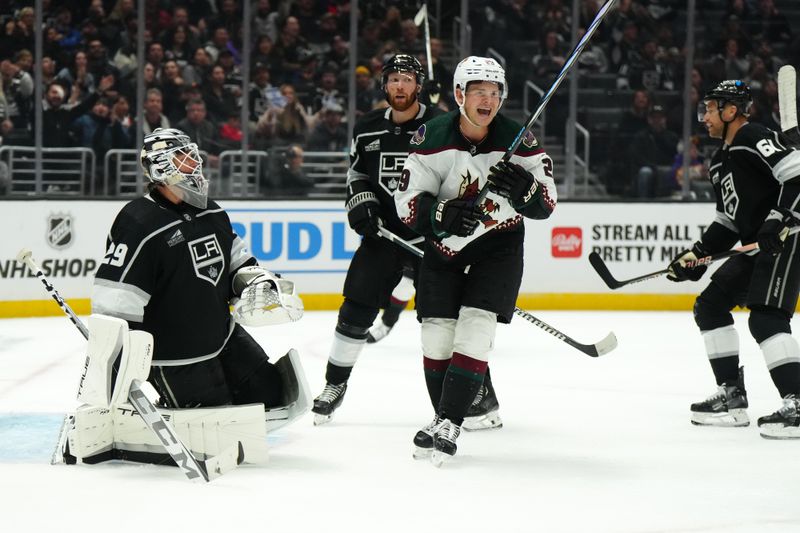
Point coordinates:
[[725, 408], [327, 402], [783, 423]]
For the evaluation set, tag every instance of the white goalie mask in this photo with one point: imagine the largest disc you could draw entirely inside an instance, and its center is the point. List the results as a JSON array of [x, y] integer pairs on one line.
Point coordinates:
[[475, 68], [169, 157]]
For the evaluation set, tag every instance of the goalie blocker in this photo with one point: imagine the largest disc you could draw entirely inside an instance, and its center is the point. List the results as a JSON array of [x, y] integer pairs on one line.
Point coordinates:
[[105, 427]]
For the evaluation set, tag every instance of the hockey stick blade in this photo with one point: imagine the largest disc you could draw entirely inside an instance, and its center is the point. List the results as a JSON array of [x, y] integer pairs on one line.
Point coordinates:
[[224, 462], [605, 345], [602, 270]]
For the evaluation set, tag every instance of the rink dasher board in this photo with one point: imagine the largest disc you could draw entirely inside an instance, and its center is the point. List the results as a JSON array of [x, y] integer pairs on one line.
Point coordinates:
[[310, 242]]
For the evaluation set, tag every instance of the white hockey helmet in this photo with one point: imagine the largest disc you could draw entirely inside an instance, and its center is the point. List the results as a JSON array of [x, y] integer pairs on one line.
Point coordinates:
[[169, 157], [475, 68]]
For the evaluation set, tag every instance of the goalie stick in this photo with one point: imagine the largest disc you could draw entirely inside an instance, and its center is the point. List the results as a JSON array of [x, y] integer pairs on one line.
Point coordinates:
[[194, 468], [787, 102], [608, 343], [571, 59], [602, 269]]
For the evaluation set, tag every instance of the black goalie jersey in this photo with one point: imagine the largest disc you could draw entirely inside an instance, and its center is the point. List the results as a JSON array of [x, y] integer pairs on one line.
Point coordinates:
[[377, 154], [167, 270], [757, 172]]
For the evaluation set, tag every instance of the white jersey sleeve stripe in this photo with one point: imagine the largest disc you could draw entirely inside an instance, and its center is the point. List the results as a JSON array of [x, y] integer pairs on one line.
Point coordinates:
[[120, 300], [239, 253], [722, 219]]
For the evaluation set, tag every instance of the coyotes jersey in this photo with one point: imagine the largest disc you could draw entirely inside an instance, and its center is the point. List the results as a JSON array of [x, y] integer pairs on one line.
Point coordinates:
[[377, 154], [168, 270], [442, 164], [759, 170]]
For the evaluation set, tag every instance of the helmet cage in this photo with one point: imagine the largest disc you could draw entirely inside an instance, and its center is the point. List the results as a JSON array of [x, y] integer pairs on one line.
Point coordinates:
[[170, 158]]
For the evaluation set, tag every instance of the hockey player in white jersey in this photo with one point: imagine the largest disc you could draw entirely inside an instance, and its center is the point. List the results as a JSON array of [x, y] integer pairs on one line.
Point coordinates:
[[471, 272]]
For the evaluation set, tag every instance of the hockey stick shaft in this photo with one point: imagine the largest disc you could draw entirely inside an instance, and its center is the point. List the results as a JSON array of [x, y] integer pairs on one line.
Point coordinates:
[[605, 274], [543, 101], [192, 467], [593, 350]]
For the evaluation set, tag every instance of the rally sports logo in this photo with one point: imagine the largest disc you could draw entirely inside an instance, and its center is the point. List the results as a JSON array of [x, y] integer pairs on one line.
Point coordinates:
[[59, 230], [566, 242], [209, 262]]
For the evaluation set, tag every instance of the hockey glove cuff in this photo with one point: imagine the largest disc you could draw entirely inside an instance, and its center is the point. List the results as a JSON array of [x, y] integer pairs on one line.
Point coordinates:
[[679, 269], [774, 230], [513, 182], [454, 217], [363, 214]]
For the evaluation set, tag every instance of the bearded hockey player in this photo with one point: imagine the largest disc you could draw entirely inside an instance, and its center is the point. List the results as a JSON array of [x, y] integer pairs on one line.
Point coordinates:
[[378, 152], [472, 268], [756, 179], [173, 265]]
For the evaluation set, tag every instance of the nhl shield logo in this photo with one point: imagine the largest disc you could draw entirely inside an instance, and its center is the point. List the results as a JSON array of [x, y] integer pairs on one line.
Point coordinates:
[[59, 230], [208, 259]]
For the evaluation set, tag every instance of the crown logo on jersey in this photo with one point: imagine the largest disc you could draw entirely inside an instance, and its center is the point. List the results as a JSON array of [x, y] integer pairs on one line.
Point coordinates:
[[59, 230]]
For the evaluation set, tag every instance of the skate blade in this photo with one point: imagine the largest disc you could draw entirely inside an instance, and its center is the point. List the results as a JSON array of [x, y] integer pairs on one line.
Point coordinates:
[[421, 453], [779, 432], [439, 458], [322, 419], [488, 421], [733, 418]]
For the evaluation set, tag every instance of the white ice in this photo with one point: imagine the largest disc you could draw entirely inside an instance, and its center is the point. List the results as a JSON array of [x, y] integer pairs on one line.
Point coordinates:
[[588, 445]]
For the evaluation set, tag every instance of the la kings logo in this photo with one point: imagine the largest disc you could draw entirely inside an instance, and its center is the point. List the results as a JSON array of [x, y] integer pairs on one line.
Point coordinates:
[[209, 262], [389, 169], [730, 200]]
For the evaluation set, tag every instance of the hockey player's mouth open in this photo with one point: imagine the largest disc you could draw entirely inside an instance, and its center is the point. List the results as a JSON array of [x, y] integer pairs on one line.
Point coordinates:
[[484, 112]]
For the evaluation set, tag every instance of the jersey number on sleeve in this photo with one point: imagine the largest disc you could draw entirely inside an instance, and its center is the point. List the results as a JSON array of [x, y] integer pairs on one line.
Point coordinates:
[[404, 176], [115, 255], [766, 147]]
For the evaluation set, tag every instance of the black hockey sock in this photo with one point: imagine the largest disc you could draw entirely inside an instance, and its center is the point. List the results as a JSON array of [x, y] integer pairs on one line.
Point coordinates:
[[337, 374], [392, 313], [461, 384], [726, 369], [435, 370], [786, 378]]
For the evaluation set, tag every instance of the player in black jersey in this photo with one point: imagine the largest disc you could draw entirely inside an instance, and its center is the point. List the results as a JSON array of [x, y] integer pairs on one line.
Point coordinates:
[[378, 152], [756, 180], [173, 266]]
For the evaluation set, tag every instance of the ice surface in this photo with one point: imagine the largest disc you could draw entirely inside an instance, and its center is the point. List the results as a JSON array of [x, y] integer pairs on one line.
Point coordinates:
[[589, 445]]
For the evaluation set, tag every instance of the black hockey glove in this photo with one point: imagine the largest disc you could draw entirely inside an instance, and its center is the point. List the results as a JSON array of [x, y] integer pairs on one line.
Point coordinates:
[[364, 214], [678, 271], [774, 230], [455, 217], [513, 182]]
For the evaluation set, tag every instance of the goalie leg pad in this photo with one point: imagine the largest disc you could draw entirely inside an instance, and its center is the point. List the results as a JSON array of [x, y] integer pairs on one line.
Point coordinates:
[[114, 358], [296, 393], [90, 433]]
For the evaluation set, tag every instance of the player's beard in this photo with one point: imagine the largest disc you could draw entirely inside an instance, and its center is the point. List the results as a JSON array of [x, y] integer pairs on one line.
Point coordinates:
[[404, 105]]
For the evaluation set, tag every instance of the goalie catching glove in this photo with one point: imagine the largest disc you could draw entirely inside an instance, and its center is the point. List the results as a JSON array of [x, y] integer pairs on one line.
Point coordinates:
[[678, 269], [513, 182], [266, 299]]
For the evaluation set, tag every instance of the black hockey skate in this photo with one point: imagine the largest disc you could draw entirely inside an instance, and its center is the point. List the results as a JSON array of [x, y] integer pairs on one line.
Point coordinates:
[[484, 413], [725, 408], [783, 423], [327, 402], [444, 442], [423, 440], [377, 332]]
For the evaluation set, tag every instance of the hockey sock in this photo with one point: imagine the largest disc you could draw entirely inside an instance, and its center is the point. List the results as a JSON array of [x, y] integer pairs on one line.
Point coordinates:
[[336, 374], [435, 370], [726, 369], [461, 384], [392, 313], [786, 378]]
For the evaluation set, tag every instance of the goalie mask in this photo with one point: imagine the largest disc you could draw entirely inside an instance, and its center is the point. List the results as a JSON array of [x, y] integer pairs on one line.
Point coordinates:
[[474, 68], [736, 92], [170, 158]]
